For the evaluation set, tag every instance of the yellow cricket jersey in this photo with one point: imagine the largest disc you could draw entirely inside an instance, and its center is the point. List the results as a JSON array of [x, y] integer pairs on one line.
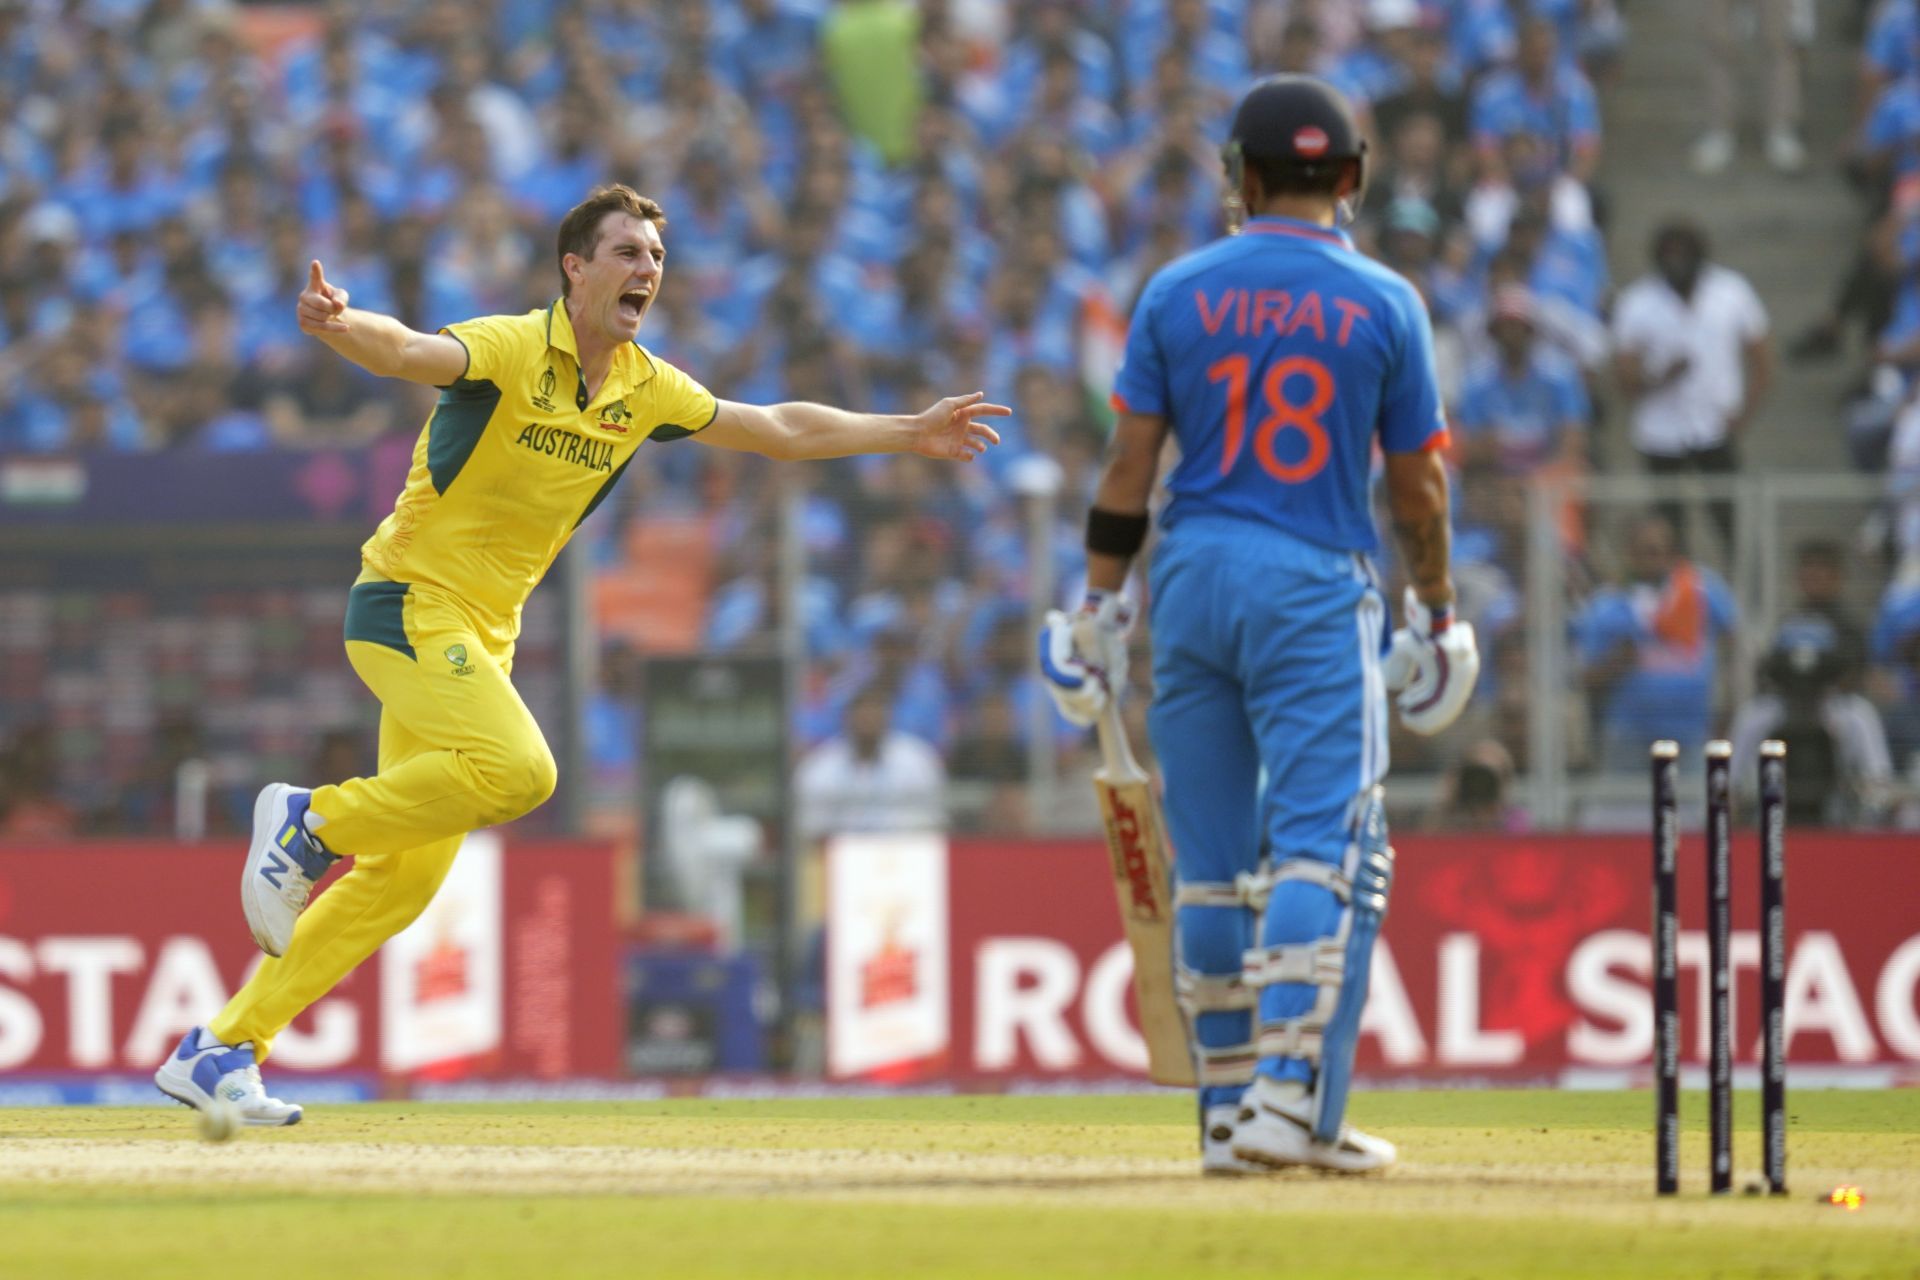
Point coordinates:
[[515, 456]]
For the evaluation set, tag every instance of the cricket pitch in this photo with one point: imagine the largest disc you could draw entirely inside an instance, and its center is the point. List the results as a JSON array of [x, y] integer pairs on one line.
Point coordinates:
[[1490, 1184]]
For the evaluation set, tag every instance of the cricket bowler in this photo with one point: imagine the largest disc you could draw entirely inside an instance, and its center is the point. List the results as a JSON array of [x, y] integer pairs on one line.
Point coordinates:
[[1279, 358], [538, 416]]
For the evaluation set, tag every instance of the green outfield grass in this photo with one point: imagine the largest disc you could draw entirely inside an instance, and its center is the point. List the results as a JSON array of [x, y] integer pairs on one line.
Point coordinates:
[[1491, 1184]]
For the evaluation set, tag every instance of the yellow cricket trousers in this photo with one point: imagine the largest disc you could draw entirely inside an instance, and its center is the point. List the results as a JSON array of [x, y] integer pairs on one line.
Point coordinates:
[[458, 751]]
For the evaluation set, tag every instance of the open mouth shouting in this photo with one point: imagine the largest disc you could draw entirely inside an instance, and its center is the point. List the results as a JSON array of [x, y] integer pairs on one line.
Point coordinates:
[[633, 303]]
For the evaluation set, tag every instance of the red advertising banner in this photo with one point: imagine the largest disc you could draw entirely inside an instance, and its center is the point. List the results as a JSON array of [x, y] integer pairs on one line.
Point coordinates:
[[1503, 957], [110, 950]]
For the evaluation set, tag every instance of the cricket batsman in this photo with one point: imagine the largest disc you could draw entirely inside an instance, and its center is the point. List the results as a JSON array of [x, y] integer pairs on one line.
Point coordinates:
[[538, 416], [1279, 358]]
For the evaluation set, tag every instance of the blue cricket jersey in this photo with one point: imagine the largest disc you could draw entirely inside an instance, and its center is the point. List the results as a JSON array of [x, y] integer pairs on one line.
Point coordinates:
[[1279, 356]]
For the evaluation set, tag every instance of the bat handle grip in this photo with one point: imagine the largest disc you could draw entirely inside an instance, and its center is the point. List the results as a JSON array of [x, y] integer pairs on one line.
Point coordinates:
[[1115, 750]]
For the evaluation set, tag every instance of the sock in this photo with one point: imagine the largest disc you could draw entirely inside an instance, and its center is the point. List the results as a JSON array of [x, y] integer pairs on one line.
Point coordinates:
[[208, 1040], [1279, 1092], [309, 820]]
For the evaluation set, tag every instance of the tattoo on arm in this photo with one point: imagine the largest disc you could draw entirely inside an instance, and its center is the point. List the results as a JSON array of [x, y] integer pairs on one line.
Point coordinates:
[[1424, 544]]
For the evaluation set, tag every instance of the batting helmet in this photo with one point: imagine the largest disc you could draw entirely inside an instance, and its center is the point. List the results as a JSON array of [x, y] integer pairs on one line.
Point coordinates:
[[1300, 124]]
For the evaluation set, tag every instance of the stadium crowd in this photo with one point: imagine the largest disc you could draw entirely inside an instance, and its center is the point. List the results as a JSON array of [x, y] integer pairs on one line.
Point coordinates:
[[867, 201], [1861, 680]]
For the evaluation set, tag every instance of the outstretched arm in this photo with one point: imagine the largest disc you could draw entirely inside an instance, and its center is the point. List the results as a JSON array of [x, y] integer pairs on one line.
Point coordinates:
[[379, 344], [951, 430]]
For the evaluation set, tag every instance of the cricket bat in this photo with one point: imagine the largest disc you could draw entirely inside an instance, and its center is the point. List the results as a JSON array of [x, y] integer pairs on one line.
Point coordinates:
[[1137, 850]]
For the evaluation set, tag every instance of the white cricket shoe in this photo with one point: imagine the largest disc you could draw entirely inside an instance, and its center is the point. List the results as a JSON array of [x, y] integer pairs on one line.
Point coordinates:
[[1785, 151], [204, 1073], [1275, 1131], [1713, 152], [283, 865], [1216, 1145]]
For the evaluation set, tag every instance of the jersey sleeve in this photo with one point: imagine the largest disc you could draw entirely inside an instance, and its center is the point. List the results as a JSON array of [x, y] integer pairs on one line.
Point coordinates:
[[1470, 413], [1886, 48], [682, 405], [1141, 384], [1884, 126], [1484, 112], [1583, 113], [1411, 420], [496, 345], [1604, 623], [1570, 396], [1753, 312], [1723, 614], [1630, 321]]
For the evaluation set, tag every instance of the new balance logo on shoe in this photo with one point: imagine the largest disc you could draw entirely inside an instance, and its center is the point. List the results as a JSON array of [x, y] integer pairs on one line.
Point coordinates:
[[287, 860]]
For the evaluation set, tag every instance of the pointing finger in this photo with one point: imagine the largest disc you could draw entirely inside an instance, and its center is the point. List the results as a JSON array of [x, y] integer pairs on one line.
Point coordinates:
[[315, 280]]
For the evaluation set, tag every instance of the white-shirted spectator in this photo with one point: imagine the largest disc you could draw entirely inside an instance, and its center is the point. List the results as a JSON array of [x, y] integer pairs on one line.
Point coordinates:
[[870, 777], [1692, 350]]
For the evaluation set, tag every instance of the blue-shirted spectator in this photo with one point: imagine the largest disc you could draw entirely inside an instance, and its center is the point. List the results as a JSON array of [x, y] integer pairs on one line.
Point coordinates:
[[1527, 406], [1053, 27], [349, 74], [712, 232], [1897, 621], [913, 311], [574, 160], [1048, 177], [1376, 67], [1065, 111], [237, 249], [1890, 138], [1569, 263], [69, 407], [1649, 648], [128, 190], [1484, 35], [1892, 49], [1033, 324], [1539, 95], [765, 48], [1204, 36]]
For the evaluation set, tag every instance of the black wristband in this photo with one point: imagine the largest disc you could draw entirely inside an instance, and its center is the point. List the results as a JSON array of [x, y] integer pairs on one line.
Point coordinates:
[[1111, 533]]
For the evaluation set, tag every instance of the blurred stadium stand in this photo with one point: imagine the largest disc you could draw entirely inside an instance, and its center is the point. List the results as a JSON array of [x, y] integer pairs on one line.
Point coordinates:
[[872, 203]]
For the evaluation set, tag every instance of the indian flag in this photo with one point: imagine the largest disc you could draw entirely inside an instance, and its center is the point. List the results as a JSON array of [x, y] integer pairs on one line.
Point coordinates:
[[1103, 342]]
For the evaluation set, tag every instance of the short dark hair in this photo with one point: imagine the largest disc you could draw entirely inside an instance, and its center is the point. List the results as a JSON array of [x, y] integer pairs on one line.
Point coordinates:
[[1290, 177], [1683, 231], [580, 229], [1821, 551]]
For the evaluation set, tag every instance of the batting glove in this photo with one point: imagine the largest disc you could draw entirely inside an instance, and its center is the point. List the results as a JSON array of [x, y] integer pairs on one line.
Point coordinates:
[[1083, 655], [1432, 667]]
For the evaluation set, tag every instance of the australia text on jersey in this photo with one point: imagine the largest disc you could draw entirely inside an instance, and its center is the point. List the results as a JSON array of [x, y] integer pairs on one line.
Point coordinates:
[[568, 446]]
